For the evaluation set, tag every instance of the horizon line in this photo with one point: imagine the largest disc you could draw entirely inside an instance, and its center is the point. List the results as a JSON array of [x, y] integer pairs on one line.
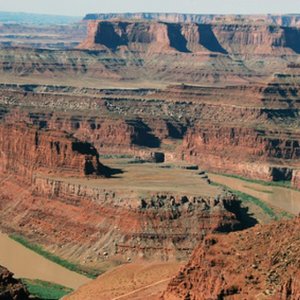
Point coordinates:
[[150, 12]]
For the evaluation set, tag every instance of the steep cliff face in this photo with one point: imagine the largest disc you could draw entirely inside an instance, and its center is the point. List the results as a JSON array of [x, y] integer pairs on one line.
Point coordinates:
[[136, 35], [11, 288], [242, 150], [258, 39], [192, 37], [262, 262], [159, 53], [25, 149]]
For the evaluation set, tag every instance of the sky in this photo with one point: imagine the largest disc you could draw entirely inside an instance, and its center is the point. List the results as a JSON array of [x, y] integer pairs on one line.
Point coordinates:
[[81, 7]]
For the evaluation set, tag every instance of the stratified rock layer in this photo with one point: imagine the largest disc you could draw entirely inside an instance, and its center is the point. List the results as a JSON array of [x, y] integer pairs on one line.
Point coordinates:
[[25, 148], [260, 263], [250, 130], [160, 37]]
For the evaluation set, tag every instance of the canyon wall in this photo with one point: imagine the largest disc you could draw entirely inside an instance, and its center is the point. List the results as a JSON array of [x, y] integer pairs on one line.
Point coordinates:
[[256, 137], [260, 262], [25, 149], [87, 222], [146, 227], [244, 151]]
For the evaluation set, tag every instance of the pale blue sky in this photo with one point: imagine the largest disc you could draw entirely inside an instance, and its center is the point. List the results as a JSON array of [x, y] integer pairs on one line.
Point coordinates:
[[81, 7]]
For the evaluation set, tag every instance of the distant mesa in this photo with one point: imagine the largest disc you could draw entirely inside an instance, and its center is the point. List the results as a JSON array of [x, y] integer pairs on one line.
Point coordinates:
[[148, 37]]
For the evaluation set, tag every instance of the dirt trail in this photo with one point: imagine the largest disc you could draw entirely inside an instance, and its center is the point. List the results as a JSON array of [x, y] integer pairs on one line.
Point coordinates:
[[141, 289]]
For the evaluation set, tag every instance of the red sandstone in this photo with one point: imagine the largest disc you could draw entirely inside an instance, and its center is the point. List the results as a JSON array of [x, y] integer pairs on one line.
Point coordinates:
[[260, 263]]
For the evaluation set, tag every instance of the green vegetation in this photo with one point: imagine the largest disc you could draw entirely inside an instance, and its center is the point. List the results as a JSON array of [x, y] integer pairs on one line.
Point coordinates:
[[285, 184], [286, 215], [250, 199], [247, 198], [46, 290], [60, 261]]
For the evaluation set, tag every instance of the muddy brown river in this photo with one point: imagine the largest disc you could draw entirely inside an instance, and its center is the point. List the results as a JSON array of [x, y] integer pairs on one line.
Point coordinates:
[[283, 198], [25, 263]]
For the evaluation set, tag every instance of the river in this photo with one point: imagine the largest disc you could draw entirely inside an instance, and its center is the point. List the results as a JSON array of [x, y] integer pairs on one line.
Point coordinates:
[[25, 263], [280, 197]]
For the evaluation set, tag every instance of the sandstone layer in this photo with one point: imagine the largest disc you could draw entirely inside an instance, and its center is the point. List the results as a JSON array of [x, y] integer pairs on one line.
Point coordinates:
[[25, 149], [160, 37], [260, 263]]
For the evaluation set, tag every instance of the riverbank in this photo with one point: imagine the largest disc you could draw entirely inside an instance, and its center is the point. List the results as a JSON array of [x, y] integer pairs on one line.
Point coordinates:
[[25, 263], [282, 198]]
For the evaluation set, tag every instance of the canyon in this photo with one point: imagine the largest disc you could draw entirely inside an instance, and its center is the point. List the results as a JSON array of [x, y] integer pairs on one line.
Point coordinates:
[[106, 141]]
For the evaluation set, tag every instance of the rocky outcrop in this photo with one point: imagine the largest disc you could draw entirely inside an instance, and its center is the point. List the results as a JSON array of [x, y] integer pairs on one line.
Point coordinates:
[[11, 288], [262, 262], [25, 149]]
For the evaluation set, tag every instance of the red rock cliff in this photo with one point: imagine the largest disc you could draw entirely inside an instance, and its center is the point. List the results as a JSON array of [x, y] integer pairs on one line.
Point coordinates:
[[161, 36], [26, 148], [260, 263]]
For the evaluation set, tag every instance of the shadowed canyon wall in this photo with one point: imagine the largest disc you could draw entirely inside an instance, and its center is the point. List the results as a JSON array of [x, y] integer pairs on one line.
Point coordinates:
[[160, 37]]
